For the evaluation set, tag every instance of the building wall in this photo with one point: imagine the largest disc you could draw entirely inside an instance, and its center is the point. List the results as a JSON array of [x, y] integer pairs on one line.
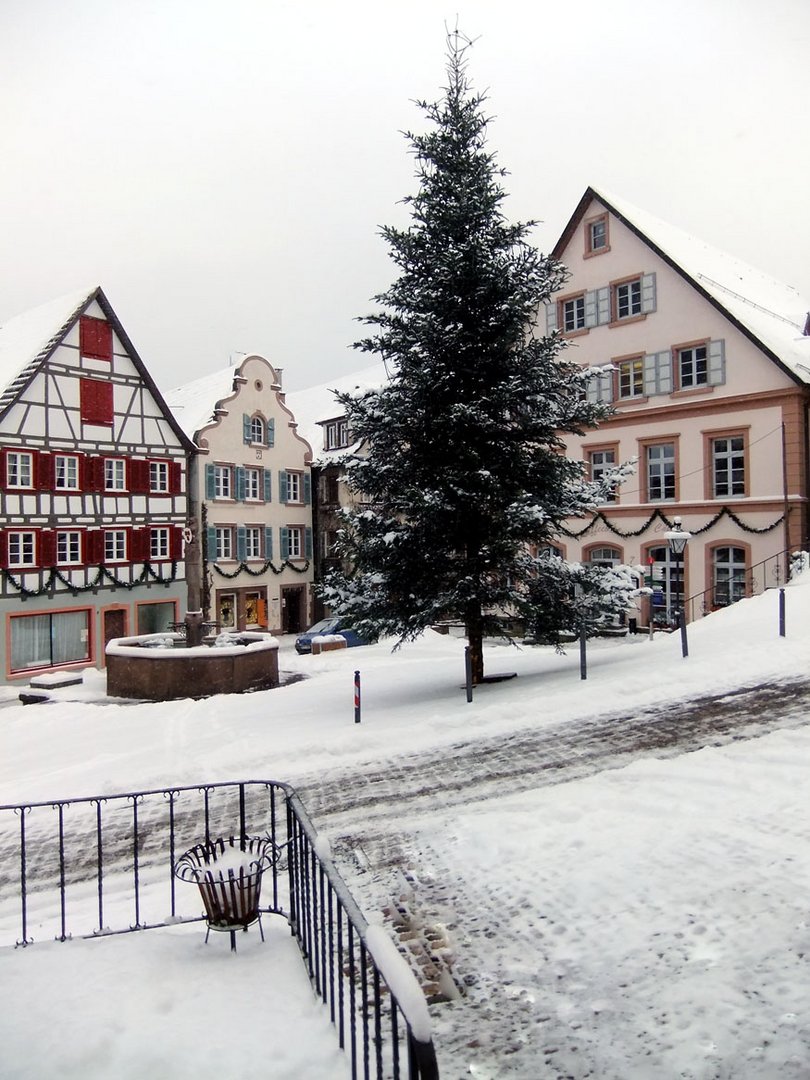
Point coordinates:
[[755, 402], [264, 578]]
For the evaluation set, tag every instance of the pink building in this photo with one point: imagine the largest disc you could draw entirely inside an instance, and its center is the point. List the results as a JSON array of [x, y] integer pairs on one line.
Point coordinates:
[[707, 364]]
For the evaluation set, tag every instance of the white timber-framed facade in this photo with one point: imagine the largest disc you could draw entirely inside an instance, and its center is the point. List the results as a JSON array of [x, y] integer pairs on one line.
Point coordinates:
[[93, 503]]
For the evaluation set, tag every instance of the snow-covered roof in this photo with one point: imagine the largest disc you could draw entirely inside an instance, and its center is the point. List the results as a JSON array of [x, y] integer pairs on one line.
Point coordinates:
[[317, 404], [193, 403], [771, 313], [31, 336]]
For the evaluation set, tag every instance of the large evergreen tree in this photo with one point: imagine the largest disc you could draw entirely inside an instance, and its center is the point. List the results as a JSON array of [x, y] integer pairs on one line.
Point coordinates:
[[464, 463]]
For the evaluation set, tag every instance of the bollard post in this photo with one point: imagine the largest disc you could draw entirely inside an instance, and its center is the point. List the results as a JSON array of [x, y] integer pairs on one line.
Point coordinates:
[[357, 697], [583, 662], [781, 613], [468, 672]]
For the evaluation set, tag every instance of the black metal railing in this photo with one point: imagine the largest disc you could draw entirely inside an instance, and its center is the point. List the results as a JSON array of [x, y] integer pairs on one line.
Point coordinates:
[[767, 574], [114, 856]]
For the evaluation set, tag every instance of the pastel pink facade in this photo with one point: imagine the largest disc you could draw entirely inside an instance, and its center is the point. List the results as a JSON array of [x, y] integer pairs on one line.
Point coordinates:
[[707, 367]]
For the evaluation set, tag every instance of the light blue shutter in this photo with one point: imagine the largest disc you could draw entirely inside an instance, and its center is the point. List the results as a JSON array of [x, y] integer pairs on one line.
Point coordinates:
[[211, 543], [271, 432], [647, 293], [268, 485], [603, 305], [717, 362], [308, 543], [245, 427], [658, 373], [284, 537], [282, 486], [241, 543], [307, 489], [268, 542], [591, 311], [551, 316], [210, 482], [600, 386], [241, 480]]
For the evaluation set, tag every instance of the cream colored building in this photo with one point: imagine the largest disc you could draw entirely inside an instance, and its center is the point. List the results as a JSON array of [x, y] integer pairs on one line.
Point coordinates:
[[251, 488], [706, 362]]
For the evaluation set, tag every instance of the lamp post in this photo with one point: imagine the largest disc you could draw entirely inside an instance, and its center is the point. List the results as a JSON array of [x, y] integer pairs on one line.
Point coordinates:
[[677, 539]]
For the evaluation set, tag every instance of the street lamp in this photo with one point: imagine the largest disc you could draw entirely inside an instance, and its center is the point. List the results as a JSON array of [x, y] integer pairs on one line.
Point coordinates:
[[677, 540]]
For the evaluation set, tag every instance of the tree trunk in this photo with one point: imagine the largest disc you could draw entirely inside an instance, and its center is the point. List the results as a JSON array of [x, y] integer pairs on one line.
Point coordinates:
[[475, 639]]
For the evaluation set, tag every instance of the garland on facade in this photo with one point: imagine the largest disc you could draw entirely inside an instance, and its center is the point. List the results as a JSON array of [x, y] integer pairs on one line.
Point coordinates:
[[243, 567], [723, 512], [104, 573]]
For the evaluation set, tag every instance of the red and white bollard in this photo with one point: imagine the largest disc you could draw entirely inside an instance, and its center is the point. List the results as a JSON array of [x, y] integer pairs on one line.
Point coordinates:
[[357, 697]]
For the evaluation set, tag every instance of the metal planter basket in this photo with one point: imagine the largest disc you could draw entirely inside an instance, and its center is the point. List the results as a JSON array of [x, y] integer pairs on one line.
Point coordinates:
[[228, 873]]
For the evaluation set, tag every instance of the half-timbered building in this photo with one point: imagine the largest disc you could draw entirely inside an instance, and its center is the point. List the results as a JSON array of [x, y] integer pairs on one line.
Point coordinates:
[[92, 489], [252, 489]]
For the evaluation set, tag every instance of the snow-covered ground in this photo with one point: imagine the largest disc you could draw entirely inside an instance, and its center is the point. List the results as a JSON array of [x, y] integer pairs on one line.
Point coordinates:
[[644, 922]]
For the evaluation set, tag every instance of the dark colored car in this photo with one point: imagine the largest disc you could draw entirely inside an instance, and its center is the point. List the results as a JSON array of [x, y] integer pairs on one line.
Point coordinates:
[[303, 643]]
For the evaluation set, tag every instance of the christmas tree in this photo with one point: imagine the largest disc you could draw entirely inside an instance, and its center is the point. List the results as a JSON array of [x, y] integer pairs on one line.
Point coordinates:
[[463, 475]]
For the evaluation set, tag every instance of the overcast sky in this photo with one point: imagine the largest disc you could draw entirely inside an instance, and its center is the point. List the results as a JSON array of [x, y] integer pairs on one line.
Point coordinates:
[[221, 167]]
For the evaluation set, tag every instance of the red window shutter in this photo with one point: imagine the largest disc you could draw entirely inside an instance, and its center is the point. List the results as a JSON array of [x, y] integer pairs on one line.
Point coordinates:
[[94, 547], [82, 471], [43, 472], [3, 547], [47, 548], [92, 474], [138, 480], [95, 338], [96, 401], [138, 545], [176, 543], [175, 477]]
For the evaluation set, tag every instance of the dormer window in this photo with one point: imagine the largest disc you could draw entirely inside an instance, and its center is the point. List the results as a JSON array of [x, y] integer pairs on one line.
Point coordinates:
[[336, 434], [596, 235]]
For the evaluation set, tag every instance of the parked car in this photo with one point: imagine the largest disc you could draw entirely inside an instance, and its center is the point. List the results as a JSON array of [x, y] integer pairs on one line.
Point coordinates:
[[303, 643]]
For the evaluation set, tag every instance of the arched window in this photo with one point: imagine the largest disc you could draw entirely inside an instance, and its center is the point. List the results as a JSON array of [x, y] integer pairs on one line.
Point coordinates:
[[728, 575], [257, 430], [605, 556]]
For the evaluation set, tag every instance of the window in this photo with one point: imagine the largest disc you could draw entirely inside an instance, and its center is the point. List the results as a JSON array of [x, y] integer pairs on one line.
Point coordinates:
[[628, 299], [728, 466], [336, 434], [330, 538], [665, 577], [295, 542], [95, 338], [19, 470], [115, 545], [631, 378], [66, 473], [253, 542], [293, 487], [68, 548], [596, 235], [223, 548], [693, 366], [114, 474], [604, 556], [159, 543], [21, 549], [256, 429], [39, 641], [96, 401], [222, 482], [253, 479], [601, 462], [728, 575], [660, 471], [159, 476], [155, 618], [573, 314]]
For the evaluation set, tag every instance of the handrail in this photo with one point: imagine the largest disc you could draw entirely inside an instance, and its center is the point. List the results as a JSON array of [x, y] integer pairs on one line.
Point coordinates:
[[750, 584], [134, 837]]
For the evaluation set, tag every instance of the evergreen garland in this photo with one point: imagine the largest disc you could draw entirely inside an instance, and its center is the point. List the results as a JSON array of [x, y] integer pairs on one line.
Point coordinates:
[[244, 568], [104, 573], [657, 514]]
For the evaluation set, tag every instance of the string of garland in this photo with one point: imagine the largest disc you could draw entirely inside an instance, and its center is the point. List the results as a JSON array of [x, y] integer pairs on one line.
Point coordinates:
[[268, 565], [103, 573], [660, 516]]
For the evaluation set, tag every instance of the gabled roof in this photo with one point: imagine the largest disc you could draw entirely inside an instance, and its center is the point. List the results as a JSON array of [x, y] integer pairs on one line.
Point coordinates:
[[772, 315], [314, 406], [28, 340], [194, 403]]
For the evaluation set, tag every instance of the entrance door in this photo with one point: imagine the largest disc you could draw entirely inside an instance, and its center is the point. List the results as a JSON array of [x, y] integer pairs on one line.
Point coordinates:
[[667, 585], [115, 624], [292, 604]]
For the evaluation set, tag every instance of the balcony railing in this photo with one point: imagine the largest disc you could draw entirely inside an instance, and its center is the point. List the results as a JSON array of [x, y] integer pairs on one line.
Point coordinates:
[[114, 856]]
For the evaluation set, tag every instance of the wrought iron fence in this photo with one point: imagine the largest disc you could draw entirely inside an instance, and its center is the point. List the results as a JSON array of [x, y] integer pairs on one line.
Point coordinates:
[[767, 574], [116, 854]]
